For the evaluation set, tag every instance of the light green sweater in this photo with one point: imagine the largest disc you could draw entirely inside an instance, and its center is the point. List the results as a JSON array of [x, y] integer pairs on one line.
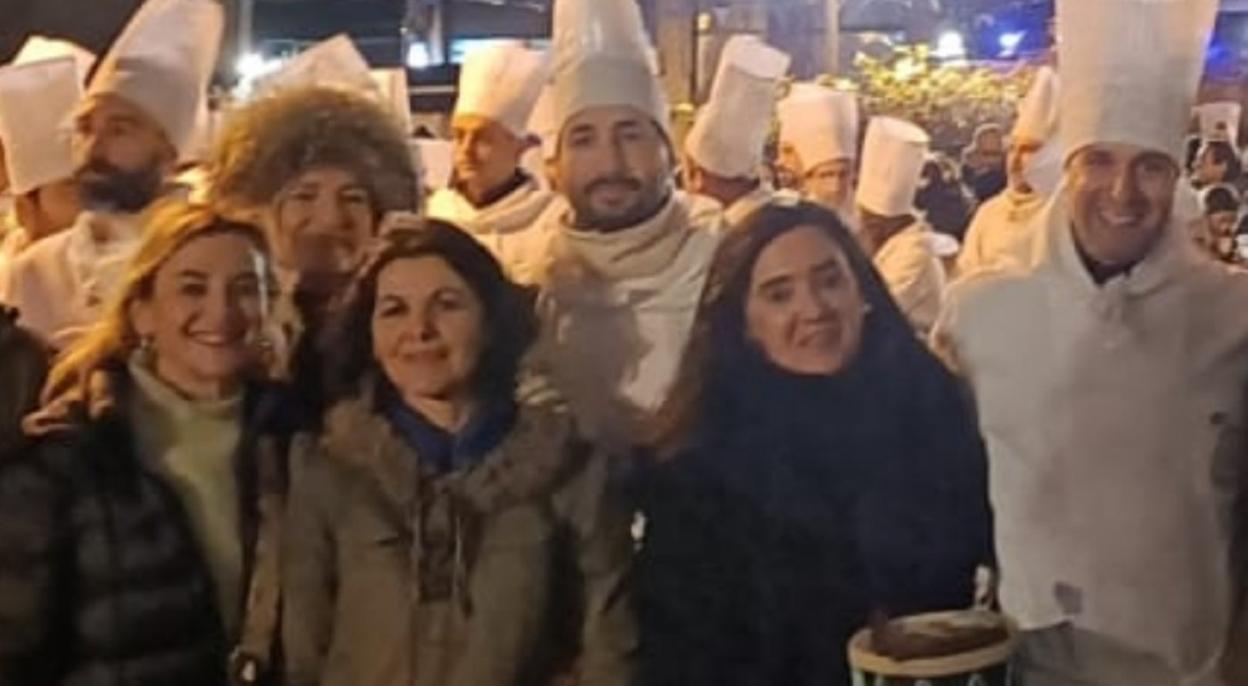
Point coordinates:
[[192, 446]]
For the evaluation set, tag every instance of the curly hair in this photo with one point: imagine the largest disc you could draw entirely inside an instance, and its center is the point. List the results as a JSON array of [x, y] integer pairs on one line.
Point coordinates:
[[510, 316], [273, 140]]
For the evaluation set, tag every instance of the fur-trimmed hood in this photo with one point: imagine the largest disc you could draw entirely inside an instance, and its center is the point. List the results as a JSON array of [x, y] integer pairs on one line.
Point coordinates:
[[269, 142]]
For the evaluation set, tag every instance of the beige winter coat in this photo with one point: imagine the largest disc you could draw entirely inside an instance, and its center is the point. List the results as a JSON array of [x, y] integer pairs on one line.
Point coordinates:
[[490, 576]]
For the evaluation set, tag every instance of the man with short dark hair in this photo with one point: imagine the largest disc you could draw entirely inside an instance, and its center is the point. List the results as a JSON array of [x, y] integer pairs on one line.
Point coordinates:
[[1110, 376], [630, 254]]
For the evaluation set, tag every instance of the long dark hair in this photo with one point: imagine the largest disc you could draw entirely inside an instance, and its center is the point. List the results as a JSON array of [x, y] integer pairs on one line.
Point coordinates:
[[509, 313], [720, 348]]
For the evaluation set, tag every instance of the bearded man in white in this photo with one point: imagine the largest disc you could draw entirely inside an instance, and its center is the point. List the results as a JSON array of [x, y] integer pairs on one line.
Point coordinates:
[[631, 254]]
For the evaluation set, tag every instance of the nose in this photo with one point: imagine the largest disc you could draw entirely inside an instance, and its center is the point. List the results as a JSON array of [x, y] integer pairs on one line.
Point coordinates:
[[811, 303], [221, 311], [1123, 190], [328, 217]]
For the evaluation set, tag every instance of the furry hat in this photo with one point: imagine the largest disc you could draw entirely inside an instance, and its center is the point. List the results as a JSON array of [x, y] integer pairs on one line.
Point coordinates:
[[270, 142]]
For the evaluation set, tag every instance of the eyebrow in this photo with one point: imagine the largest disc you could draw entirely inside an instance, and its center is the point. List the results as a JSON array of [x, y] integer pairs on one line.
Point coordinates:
[[830, 264], [627, 125]]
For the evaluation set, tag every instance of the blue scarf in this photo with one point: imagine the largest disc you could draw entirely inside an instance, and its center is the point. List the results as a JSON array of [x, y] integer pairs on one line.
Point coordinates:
[[440, 449]]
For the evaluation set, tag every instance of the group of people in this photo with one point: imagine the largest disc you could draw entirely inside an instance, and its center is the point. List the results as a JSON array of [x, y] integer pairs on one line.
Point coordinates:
[[272, 416]]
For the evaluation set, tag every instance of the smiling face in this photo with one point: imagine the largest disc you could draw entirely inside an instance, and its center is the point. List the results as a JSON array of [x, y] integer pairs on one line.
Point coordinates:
[[204, 314], [804, 308], [324, 220], [1121, 198], [614, 166], [428, 329]]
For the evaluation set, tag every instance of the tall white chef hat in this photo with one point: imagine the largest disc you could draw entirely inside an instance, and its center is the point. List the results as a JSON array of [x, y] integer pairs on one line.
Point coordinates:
[[602, 57], [395, 94], [1130, 69], [502, 82], [333, 63], [1037, 113], [36, 100], [163, 61], [39, 48], [820, 123], [892, 162], [1219, 121], [730, 133]]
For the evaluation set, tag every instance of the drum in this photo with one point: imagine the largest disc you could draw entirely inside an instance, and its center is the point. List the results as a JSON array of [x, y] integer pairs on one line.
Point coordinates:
[[984, 666]]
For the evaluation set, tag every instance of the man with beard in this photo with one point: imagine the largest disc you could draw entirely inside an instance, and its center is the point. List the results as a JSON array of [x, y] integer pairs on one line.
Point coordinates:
[[631, 254], [137, 116], [724, 149], [1110, 376], [490, 196]]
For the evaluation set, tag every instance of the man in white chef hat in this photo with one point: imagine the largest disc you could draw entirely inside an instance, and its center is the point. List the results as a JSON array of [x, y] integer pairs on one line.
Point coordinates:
[[999, 230], [35, 100], [819, 145], [490, 194], [724, 149], [630, 254], [38, 90], [1110, 373], [129, 131], [889, 226]]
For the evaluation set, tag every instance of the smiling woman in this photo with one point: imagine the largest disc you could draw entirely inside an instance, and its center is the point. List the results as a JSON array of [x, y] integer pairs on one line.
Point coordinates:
[[512, 543], [140, 502], [820, 467]]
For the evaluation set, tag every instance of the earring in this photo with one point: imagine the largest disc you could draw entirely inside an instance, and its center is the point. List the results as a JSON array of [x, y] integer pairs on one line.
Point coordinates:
[[866, 309], [147, 343]]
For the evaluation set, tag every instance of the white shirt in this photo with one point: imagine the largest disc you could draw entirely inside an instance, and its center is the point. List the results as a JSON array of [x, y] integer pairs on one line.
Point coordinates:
[[508, 227], [614, 344], [914, 275], [62, 284], [1000, 232], [1114, 422]]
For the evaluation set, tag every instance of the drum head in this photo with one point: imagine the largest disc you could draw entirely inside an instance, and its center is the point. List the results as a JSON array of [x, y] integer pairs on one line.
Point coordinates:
[[862, 657]]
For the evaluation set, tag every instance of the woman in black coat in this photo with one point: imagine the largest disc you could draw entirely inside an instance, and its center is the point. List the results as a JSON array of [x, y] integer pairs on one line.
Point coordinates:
[[816, 467], [137, 534]]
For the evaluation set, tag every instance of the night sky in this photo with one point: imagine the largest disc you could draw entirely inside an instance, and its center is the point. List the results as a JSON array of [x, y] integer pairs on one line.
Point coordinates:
[[92, 23]]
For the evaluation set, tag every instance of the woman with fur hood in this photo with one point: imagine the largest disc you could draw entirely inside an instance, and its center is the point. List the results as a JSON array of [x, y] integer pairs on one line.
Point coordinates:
[[319, 168]]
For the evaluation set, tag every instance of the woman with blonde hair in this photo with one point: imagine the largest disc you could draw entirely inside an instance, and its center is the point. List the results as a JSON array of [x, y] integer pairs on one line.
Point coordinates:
[[129, 532], [319, 168]]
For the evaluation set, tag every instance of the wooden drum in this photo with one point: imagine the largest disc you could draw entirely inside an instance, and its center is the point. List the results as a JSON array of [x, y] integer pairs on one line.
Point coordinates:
[[988, 664]]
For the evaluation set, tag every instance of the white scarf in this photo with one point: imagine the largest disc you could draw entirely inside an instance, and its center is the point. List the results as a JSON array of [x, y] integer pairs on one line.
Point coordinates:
[[512, 213], [632, 253]]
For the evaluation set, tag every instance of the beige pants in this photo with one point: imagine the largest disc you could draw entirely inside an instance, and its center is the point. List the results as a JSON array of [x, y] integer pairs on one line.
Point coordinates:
[[1066, 656]]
